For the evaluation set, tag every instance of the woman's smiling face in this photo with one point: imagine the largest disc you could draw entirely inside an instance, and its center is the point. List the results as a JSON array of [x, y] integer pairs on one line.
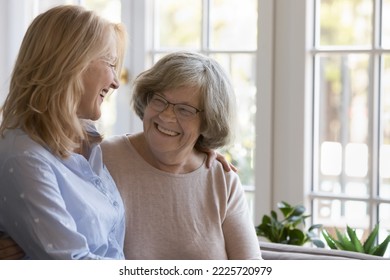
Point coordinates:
[[99, 78], [164, 132]]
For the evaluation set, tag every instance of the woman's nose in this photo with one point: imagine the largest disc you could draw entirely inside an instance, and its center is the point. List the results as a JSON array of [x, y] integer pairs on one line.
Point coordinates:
[[168, 114], [115, 83]]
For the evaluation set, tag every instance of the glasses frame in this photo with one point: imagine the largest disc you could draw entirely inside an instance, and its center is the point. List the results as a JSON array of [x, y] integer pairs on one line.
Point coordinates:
[[167, 103]]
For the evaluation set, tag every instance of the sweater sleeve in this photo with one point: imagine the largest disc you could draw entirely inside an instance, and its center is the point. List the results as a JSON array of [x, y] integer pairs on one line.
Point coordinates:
[[238, 229]]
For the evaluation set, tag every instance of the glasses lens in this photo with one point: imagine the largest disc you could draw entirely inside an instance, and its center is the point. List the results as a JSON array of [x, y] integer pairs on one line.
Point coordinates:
[[182, 111], [158, 103], [185, 111]]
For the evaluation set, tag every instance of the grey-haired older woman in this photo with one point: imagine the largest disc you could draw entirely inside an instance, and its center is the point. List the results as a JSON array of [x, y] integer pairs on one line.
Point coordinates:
[[176, 208]]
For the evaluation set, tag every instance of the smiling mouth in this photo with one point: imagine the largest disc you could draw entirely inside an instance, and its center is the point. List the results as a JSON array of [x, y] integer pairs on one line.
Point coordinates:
[[166, 131], [104, 93]]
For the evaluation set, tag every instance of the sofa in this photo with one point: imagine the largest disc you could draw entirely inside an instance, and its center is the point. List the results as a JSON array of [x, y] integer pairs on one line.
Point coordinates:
[[277, 251]]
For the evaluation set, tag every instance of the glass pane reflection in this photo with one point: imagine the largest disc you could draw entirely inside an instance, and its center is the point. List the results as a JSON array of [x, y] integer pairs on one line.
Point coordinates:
[[343, 93], [345, 22], [233, 24], [178, 24]]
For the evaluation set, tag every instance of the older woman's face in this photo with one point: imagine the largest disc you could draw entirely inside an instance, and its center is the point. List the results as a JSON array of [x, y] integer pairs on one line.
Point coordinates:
[[165, 132]]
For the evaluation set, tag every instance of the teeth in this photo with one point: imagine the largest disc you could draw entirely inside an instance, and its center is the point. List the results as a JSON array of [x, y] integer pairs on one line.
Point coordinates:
[[166, 131]]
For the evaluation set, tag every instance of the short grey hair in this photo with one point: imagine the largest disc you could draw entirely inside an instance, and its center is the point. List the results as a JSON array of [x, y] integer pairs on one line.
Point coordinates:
[[188, 69]]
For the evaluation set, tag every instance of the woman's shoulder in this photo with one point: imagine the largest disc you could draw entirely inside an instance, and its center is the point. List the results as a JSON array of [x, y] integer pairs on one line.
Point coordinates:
[[17, 143], [113, 141], [115, 148], [118, 143], [217, 168], [229, 180]]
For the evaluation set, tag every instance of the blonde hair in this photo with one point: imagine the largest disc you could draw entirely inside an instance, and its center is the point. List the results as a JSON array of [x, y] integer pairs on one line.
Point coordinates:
[[188, 69], [46, 84]]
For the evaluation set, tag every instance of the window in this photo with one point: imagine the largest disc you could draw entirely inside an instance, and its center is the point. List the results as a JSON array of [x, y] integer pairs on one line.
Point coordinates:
[[351, 94]]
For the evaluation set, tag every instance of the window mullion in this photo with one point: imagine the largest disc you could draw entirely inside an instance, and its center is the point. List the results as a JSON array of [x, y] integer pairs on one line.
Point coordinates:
[[375, 112], [205, 43], [375, 127]]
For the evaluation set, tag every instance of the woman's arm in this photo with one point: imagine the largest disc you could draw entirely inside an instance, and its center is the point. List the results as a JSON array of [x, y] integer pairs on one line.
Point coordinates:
[[238, 229], [34, 212]]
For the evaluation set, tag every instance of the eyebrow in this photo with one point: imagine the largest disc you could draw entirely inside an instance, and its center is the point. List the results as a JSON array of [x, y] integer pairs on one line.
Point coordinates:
[[110, 58], [183, 102], [179, 103]]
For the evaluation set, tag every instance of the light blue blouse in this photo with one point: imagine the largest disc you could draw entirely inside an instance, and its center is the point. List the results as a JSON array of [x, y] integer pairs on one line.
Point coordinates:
[[55, 208]]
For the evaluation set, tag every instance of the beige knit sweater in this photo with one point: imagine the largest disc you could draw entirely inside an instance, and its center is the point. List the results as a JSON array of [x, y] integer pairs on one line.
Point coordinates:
[[199, 215]]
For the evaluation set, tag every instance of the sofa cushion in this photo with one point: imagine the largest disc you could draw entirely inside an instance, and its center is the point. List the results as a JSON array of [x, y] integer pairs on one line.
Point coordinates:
[[277, 251]]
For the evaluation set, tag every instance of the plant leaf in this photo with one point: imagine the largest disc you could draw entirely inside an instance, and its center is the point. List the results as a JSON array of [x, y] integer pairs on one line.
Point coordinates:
[[381, 249], [285, 208], [283, 204], [370, 241], [343, 242], [329, 239], [296, 237], [298, 210], [319, 226], [318, 243], [354, 239], [274, 215], [290, 229]]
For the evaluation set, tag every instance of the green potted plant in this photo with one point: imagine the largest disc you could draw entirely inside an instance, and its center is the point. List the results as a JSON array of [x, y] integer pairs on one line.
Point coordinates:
[[350, 242], [291, 228]]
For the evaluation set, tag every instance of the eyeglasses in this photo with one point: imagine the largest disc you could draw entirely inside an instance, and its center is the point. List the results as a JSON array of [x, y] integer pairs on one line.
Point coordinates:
[[182, 111]]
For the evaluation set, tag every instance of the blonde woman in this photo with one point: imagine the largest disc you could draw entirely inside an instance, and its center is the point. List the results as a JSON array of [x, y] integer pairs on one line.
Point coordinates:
[[57, 199]]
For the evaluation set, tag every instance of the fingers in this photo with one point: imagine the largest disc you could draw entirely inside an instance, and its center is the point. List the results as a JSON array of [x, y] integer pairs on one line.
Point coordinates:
[[211, 156], [232, 167], [226, 165]]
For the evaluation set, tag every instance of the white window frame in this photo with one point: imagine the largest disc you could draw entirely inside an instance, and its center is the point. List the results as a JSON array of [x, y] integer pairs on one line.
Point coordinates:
[[374, 51], [284, 118]]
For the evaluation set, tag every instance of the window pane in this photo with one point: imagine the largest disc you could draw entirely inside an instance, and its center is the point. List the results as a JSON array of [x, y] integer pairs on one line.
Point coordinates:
[[233, 24], [337, 213], [331, 158], [345, 22], [385, 23], [178, 24], [110, 9], [241, 68], [343, 83]]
